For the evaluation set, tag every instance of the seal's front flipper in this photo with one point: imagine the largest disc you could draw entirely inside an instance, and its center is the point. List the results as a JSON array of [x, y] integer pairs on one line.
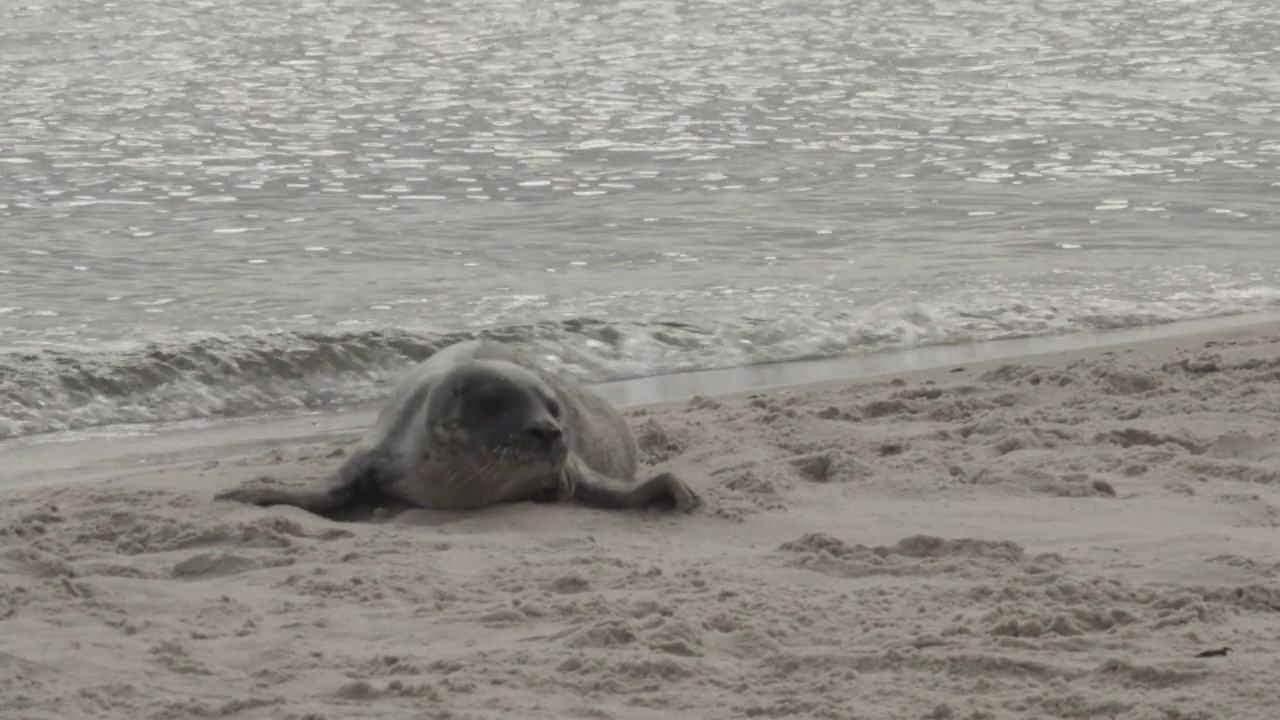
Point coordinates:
[[311, 499], [354, 487], [668, 490], [662, 490]]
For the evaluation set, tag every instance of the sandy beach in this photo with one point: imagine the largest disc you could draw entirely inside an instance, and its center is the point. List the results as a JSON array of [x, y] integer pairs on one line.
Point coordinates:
[[1057, 536]]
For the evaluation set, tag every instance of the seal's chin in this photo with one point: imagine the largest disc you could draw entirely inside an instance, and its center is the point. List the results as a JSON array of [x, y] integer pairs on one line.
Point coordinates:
[[530, 460]]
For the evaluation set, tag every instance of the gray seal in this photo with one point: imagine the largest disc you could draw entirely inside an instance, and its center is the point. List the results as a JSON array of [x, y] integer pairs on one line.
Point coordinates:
[[479, 424]]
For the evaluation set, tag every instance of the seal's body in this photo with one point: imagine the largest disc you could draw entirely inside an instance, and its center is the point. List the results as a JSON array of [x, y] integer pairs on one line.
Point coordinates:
[[478, 424]]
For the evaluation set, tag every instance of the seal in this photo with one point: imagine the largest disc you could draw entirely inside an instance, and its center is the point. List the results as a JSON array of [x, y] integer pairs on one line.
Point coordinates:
[[479, 424]]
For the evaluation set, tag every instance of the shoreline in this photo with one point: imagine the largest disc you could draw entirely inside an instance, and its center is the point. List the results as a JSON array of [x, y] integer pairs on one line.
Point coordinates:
[[120, 451]]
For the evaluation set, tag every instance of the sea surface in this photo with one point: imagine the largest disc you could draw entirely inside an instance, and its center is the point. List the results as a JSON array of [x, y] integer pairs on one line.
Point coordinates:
[[234, 207]]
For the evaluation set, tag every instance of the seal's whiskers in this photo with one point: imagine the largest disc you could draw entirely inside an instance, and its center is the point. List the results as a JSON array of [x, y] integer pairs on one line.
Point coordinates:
[[465, 475]]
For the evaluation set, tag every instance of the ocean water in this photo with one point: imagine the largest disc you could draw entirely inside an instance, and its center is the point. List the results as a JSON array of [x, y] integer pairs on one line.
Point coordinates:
[[231, 207]]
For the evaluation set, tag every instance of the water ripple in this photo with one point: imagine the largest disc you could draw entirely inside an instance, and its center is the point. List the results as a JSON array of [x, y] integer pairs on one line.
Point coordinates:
[[458, 151]]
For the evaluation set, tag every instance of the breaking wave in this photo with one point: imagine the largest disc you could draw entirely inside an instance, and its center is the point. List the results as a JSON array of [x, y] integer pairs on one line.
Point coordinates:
[[51, 388]]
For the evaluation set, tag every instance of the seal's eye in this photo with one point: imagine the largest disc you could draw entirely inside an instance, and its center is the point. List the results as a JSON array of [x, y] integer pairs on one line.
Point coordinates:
[[553, 407], [490, 405]]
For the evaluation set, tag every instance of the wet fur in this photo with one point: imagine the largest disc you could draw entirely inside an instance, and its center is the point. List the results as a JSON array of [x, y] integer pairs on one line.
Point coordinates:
[[392, 464]]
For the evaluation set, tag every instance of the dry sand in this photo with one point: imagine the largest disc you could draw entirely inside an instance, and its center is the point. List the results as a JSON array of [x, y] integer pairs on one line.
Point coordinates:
[[1053, 537]]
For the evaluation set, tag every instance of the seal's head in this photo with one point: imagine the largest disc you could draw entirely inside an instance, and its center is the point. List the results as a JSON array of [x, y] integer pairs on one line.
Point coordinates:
[[496, 415]]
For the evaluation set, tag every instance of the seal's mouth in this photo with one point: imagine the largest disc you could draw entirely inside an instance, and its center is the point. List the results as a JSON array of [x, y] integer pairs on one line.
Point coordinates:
[[549, 457], [554, 455], [558, 454]]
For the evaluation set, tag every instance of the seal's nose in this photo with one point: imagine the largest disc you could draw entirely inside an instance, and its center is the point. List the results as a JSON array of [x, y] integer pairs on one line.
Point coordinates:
[[546, 433]]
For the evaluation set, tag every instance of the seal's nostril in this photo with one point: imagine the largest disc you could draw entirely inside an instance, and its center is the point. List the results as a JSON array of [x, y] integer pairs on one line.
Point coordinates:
[[545, 434]]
